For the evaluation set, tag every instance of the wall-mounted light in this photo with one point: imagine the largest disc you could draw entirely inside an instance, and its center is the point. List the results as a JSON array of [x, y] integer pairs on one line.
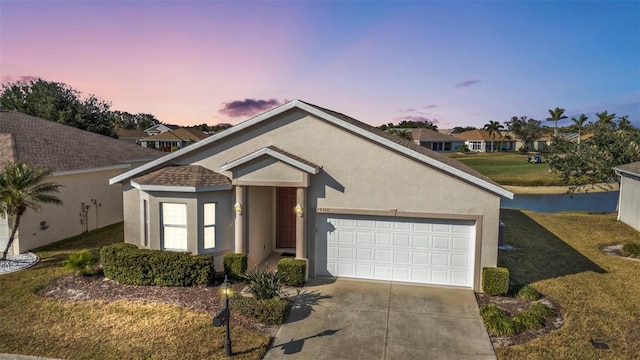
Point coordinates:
[[238, 208], [298, 210]]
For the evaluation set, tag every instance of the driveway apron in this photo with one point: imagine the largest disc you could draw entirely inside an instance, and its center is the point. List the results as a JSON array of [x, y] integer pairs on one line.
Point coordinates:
[[361, 319]]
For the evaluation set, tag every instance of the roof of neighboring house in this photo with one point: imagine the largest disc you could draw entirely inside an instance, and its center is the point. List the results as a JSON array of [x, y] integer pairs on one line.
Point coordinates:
[[431, 135], [478, 135], [130, 133], [392, 142], [162, 126], [186, 175], [179, 134], [60, 147], [629, 169]]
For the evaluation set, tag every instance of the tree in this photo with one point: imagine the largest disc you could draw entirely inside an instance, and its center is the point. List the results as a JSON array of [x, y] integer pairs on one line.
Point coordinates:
[[403, 133], [606, 120], [60, 103], [409, 124], [579, 122], [555, 115], [592, 163], [493, 128], [22, 188], [460, 129], [527, 130]]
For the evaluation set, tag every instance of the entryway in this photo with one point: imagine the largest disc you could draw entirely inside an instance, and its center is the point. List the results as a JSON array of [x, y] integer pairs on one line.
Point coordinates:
[[285, 217]]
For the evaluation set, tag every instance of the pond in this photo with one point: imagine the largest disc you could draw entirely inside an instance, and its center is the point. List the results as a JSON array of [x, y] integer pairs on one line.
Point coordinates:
[[597, 202]]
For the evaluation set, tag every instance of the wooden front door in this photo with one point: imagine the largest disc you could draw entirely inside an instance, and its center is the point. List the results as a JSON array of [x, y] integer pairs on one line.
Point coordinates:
[[285, 217]]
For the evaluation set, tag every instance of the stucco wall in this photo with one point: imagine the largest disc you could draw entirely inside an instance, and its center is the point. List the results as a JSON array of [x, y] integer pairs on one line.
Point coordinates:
[[260, 216], [66, 220], [357, 174], [629, 206]]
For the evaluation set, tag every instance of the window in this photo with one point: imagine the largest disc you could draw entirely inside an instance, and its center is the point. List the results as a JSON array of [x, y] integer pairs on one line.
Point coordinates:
[[209, 225], [475, 145], [174, 226]]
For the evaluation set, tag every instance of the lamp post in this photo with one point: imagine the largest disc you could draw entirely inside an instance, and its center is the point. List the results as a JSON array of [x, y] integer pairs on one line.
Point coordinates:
[[227, 341]]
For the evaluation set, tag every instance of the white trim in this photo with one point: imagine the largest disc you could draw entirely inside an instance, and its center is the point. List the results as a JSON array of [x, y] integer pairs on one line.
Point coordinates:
[[332, 119], [84, 171], [266, 151], [188, 189], [626, 172]]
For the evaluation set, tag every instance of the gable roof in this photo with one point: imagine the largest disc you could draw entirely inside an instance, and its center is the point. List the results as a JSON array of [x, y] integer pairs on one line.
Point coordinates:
[[63, 148], [179, 134], [277, 153], [395, 143], [478, 135], [432, 135], [632, 169], [186, 178], [130, 133]]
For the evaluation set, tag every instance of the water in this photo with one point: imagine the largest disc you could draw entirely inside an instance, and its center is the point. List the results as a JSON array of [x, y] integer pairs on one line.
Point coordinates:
[[598, 202]]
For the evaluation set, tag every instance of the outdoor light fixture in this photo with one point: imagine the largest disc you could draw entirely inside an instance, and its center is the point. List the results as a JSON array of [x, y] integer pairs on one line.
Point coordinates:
[[223, 316], [238, 208], [298, 210]]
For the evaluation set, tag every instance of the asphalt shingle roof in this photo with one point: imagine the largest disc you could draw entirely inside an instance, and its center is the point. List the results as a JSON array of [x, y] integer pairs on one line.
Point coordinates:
[[431, 135], [180, 134], [60, 147], [186, 175], [633, 168]]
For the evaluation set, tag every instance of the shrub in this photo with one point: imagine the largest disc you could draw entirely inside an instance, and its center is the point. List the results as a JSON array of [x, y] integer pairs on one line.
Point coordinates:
[[541, 310], [497, 321], [81, 262], [631, 249], [495, 281], [235, 264], [463, 149], [293, 271], [527, 320], [127, 264], [529, 292], [263, 283], [272, 311]]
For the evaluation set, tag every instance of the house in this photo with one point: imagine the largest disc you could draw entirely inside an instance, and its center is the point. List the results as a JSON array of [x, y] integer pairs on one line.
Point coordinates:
[[160, 128], [173, 139], [350, 199], [479, 140], [629, 201], [130, 135], [82, 162], [436, 141]]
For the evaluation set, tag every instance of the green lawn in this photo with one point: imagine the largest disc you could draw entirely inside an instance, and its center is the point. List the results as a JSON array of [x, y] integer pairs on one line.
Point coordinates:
[[559, 255], [509, 168], [33, 325]]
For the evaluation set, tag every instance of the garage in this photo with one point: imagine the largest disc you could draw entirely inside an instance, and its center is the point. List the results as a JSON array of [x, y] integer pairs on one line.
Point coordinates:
[[428, 251]]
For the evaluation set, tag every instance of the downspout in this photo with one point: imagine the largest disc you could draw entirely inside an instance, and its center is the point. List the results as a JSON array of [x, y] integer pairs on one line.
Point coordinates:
[[619, 193]]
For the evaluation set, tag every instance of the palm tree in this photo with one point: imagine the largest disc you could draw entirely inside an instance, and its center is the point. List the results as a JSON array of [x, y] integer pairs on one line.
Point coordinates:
[[579, 124], [555, 115], [22, 188], [605, 119], [493, 128], [403, 133]]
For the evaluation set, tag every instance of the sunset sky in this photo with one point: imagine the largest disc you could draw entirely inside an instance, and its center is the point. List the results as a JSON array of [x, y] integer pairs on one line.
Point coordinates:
[[453, 63]]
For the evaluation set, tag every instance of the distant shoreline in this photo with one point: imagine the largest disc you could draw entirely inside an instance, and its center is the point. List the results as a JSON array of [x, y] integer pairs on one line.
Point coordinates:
[[531, 190]]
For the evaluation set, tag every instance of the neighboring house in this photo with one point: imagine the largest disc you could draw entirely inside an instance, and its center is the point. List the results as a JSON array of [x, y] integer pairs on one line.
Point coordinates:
[[130, 135], [350, 199], [81, 161], [173, 139], [436, 141], [629, 200], [160, 128], [479, 140]]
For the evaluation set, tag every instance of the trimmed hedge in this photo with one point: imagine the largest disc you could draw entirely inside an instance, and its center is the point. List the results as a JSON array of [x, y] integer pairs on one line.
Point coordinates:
[[293, 271], [495, 280], [127, 264], [235, 264], [272, 311]]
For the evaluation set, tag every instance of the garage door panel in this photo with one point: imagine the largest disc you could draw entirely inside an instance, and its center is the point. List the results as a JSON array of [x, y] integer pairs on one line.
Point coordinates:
[[401, 249]]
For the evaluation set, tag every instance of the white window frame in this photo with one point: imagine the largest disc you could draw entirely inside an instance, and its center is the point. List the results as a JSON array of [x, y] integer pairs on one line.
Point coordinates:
[[165, 225], [209, 244]]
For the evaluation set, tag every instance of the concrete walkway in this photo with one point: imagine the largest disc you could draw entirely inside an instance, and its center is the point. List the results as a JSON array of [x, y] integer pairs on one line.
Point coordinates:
[[357, 319]]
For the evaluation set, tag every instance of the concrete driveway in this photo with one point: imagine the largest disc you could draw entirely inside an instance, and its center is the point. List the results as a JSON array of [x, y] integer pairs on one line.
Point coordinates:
[[359, 319]]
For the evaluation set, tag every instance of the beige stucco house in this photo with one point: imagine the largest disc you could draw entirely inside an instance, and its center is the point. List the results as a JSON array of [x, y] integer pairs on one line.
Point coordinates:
[[629, 200], [350, 199], [82, 162]]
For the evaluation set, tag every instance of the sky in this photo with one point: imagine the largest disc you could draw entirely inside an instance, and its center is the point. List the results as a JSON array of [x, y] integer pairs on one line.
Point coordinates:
[[455, 63]]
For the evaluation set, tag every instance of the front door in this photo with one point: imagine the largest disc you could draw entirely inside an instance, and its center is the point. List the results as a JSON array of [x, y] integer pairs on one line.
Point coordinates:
[[285, 218]]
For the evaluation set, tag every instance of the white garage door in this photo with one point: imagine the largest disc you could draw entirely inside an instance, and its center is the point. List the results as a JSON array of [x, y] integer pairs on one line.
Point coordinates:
[[430, 251]]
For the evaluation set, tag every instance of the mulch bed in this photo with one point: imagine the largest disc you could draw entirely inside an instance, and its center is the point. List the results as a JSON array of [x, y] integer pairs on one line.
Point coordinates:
[[513, 306], [201, 298]]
